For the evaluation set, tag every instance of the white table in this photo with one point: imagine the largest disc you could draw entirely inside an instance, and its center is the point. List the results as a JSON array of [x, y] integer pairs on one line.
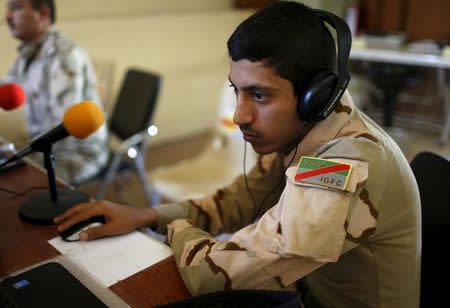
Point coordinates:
[[414, 59]]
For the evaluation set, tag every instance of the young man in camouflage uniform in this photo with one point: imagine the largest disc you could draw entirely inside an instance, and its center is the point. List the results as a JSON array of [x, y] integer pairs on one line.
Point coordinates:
[[356, 244], [55, 74]]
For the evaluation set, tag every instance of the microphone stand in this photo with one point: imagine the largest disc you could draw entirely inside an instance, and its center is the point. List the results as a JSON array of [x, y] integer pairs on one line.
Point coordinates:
[[42, 207], [49, 164]]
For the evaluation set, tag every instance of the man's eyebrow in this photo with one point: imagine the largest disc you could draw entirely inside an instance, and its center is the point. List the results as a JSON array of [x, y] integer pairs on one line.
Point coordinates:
[[255, 87]]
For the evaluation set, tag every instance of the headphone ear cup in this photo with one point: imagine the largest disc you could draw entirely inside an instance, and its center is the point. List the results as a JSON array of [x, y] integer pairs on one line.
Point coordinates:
[[317, 96]]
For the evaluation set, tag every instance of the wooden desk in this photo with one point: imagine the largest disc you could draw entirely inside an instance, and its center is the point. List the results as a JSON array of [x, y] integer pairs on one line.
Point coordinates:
[[440, 63], [23, 245]]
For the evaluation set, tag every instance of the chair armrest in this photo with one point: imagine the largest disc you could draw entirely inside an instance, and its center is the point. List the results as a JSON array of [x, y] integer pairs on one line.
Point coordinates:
[[132, 141]]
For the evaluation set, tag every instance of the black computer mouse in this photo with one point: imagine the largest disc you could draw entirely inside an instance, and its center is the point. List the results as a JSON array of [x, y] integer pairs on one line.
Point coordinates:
[[72, 234]]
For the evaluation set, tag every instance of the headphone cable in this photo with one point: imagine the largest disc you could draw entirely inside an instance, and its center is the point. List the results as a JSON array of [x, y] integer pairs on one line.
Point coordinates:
[[278, 184]]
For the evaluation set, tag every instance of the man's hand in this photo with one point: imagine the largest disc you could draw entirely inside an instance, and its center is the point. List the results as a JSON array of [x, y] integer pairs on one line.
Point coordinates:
[[119, 218]]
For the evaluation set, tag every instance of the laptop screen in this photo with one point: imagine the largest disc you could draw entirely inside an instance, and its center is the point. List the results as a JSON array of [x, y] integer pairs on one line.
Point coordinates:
[[47, 285]]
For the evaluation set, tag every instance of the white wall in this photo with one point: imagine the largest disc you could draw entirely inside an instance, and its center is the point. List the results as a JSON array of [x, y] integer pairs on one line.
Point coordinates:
[[184, 40]]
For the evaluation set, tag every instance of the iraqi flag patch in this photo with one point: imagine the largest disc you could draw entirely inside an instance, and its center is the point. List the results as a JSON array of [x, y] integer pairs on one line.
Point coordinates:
[[322, 172]]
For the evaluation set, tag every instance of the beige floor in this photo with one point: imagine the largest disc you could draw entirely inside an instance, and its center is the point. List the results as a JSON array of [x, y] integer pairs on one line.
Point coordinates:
[[126, 189]]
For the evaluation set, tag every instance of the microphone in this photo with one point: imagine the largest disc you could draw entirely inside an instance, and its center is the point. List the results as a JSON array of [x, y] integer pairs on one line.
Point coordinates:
[[12, 96], [80, 121]]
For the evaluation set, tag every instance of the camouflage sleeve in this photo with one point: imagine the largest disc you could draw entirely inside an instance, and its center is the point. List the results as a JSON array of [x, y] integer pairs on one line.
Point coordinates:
[[362, 215], [303, 231], [231, 208]]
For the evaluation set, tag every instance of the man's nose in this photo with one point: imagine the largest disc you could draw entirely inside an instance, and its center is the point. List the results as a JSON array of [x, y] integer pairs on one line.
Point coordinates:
[[243, 113]]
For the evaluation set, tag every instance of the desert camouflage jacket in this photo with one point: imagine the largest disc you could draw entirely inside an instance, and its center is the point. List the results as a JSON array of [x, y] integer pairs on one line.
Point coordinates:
[[358, 246]]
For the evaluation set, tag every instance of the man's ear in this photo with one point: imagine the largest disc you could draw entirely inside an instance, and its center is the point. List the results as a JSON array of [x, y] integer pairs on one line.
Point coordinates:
[[44, 11]]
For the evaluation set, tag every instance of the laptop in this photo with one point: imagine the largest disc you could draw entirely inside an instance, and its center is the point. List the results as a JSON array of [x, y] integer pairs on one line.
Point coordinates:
[[47, 285], [4, 157]]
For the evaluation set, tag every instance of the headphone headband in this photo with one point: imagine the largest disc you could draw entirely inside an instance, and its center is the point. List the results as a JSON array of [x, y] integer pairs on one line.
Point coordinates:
[[344, 42]]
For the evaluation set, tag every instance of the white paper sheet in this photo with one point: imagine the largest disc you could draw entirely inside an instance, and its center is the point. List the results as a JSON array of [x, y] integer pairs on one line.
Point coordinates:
[[115, 258]]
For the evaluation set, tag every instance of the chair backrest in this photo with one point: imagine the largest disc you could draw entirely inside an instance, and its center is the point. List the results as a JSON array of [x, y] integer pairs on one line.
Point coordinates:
[[135, 104], [432, 173]]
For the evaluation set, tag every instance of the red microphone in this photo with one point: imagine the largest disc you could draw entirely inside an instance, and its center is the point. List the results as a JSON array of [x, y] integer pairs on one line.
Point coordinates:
[[12, 96]]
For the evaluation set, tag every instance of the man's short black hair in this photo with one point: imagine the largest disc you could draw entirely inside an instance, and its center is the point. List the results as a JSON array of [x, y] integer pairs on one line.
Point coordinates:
[[36, 4], [289, 38]]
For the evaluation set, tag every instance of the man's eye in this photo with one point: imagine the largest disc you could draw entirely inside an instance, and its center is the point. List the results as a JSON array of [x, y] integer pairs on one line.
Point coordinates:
[[14, 6], [258, 96]]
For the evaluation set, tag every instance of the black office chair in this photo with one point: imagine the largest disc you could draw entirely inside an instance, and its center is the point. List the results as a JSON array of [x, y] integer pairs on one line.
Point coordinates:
[[241, 299], [432, 173], [131, 124]]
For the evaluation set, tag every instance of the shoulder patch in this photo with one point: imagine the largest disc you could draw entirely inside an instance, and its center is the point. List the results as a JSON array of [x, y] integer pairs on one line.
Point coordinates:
[[322, 172]]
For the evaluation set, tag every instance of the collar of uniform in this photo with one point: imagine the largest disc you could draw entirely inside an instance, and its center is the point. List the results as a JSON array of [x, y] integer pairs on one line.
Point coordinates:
[[324, 131], [49, 46]]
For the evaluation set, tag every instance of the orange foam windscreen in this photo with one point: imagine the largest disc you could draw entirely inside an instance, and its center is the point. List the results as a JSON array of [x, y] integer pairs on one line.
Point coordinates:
[[83, 119]]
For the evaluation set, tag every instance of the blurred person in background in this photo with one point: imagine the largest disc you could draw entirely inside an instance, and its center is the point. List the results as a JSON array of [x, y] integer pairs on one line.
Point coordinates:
[[55, 74]]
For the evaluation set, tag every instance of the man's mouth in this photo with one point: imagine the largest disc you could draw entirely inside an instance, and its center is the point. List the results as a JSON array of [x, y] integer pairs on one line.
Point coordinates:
[[249, 136]]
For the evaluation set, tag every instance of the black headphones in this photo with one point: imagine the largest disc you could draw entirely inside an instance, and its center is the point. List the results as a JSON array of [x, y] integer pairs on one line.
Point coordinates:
[[327, 87]]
